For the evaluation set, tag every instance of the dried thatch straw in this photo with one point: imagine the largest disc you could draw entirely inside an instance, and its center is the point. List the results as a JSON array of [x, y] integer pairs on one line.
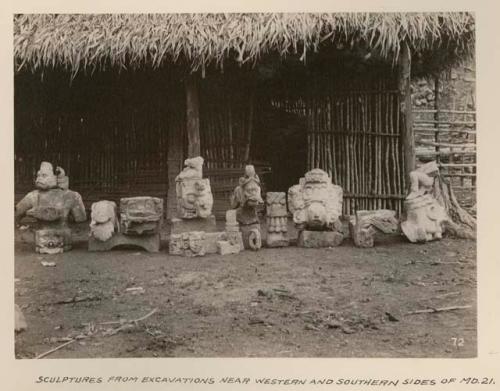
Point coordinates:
[[97, 40]]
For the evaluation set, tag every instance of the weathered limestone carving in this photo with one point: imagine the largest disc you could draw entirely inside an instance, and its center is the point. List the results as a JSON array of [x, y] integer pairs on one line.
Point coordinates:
[[232, 240], [277, 220], [424, 215], [194, 196], [233, 233], [139, 224], [104, 220], [52, 204], [189, 244], [245, 199], [141, 215], [316, 205], [366, 223]]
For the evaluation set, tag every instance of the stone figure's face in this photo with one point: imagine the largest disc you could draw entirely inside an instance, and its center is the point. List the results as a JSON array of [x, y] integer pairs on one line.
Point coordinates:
[[316, 215], [45, 180], [276, 204], [252, 194], [195, 243], [103, 211]]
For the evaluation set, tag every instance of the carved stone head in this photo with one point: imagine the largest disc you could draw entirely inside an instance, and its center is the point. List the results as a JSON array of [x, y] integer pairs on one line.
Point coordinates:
[[316, 203], [196, 242], [248, 193], [104, 221], [46, 178]]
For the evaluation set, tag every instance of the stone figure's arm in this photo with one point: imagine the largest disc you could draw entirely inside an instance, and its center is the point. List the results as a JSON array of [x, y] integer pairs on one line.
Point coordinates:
[[78, 209], [25, 204]]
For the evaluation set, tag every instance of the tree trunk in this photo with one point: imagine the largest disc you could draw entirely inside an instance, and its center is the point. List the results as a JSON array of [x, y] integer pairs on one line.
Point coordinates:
[[193, 116], [461, 224]]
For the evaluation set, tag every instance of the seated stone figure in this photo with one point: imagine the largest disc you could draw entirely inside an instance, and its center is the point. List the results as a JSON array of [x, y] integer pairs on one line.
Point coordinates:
[[316, 205], [424, 215], [52, 204], [194, 195], [245, 199]]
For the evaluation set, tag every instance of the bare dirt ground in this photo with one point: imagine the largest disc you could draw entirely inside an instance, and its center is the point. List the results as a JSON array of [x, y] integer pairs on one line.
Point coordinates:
[[289, 302]]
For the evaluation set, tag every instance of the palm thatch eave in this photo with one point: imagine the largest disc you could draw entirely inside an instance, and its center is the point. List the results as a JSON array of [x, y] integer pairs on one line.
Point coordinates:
[[92, 41]]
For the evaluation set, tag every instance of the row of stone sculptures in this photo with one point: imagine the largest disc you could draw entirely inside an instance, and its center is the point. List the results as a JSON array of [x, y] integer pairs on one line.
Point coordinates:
[[315, 204]]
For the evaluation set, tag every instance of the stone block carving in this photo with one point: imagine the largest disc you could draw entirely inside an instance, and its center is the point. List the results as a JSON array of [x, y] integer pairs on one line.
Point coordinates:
[[316, 205], [189, 244], [319, 239], [366, 223], [194, 195], [229, 241], [52, 204], [276, 219], [141, 215], [137, 224], [245, 199], [224, 247], [424, 215]]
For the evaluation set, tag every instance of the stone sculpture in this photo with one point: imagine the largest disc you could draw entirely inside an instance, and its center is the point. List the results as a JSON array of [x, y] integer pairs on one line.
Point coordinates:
[[52, 204], [277, 220], [232, 240], [424, 215], [104, 220], [316, 205], [139, 224], [194, 196], [245, 199], [366, 223], [195, 222], [189, 244]]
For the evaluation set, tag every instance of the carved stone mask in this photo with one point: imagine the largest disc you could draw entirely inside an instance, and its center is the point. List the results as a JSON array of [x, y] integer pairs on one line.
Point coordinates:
[[316, 215], [195, 243], [252, 194], [45, 178]]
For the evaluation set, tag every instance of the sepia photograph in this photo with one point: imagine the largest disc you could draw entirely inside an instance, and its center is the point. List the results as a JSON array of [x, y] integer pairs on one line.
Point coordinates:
[[265, 185]]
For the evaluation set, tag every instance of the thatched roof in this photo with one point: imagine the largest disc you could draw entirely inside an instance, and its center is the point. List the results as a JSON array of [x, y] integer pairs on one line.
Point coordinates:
[[93, 41]]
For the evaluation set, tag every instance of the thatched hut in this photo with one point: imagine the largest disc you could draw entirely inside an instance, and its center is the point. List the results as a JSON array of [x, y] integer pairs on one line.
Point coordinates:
[[120, 101]]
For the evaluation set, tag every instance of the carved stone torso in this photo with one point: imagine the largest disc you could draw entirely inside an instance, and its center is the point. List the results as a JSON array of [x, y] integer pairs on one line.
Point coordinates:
[[52, 204], [424, 215]]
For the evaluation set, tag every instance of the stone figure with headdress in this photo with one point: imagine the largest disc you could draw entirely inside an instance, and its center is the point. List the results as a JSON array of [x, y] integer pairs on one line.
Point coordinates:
[[52, 204], [245, 199]]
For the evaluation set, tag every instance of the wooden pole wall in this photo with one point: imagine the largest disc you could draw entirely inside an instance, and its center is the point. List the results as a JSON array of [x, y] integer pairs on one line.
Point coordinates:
[[405, 108], [193, 116]]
